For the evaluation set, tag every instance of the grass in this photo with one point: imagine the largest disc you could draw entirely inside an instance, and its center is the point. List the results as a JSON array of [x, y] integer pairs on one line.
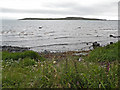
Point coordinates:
[[30, 70], [20, 55], [107, 53]]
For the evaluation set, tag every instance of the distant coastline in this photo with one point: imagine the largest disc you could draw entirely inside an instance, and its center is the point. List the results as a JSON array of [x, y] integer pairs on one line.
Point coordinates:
[[66, 18]]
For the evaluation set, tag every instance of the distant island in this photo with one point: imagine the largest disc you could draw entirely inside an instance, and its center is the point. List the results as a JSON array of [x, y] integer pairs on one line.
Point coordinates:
[[66, 18]]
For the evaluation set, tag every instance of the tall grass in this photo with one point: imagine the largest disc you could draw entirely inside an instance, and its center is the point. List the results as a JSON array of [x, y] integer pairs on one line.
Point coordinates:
[[107, 53], [92, 72]]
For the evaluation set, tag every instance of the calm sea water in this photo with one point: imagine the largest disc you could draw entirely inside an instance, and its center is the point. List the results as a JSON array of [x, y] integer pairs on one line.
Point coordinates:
[[57, 35]]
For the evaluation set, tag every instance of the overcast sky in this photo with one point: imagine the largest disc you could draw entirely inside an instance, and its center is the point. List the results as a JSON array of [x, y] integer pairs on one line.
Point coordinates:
[[15, 9]]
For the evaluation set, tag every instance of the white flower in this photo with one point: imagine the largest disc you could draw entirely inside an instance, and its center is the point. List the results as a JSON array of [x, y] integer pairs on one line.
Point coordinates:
[[80, 59], [54, 62], [41, 65], [35, 65]]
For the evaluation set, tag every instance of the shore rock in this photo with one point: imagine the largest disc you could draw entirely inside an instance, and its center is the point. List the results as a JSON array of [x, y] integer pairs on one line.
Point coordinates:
[[114, 36], [95, 44], [40, 27], [13, 48], [111, 42]]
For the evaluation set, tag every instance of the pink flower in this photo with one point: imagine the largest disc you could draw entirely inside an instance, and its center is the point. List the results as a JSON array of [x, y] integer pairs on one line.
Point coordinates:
[[108, 67], [77, 83]]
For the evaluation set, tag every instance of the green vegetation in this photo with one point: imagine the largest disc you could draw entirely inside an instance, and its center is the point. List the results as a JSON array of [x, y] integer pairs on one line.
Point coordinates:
[[102, 54], [31, 70], [21, 55]]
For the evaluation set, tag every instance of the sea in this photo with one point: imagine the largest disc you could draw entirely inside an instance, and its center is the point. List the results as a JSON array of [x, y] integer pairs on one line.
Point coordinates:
[[57, 35]]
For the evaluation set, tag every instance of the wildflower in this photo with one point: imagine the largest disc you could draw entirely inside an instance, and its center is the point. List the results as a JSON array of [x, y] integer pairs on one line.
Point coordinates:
[[54, 62], [81, 74], [35, 65], [77, 83], [99, 85], [69, 85], [42, 65], [80, 59], [108, 67], [55, 76], [90, 63]]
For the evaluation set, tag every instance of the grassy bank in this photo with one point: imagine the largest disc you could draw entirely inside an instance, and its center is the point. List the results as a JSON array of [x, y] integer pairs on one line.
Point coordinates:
[[61, 70]]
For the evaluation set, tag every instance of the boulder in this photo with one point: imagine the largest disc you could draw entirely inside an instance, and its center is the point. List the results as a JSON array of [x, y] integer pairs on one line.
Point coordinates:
[[95, 44], [114, 36], [111, 35], [111, 42], [40, 27], [14, 48]]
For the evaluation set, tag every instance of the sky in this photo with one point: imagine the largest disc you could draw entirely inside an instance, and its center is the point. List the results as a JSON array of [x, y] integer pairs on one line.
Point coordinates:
[[17, 9]]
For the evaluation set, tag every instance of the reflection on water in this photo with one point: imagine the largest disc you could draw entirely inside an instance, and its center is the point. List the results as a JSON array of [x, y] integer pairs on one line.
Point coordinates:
[[57, 35]]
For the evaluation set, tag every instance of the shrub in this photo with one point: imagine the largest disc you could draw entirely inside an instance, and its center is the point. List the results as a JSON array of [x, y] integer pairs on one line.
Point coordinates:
[[28, 62], [15, 56]]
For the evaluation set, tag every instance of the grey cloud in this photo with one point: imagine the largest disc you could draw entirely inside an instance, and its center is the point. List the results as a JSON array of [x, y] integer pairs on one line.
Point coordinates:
[[77, 9], [70, 8], [61, 5], [38, 11], [96, 9], [61, 12]]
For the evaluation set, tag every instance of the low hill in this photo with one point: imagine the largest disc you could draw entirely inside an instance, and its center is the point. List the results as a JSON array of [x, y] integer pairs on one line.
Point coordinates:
[[66, 18]]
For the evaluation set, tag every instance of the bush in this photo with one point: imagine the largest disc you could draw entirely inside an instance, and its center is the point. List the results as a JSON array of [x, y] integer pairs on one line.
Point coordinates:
[[28, 62], [15, 56]]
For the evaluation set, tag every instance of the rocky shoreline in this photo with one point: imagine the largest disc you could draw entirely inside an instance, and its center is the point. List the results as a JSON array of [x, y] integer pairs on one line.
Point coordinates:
[[56, 55], [14, 48], [22, 49], [47, 54]]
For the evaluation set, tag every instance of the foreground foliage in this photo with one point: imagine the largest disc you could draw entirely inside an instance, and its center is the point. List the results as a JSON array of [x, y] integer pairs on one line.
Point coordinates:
[[108, 53], [30, 70]]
